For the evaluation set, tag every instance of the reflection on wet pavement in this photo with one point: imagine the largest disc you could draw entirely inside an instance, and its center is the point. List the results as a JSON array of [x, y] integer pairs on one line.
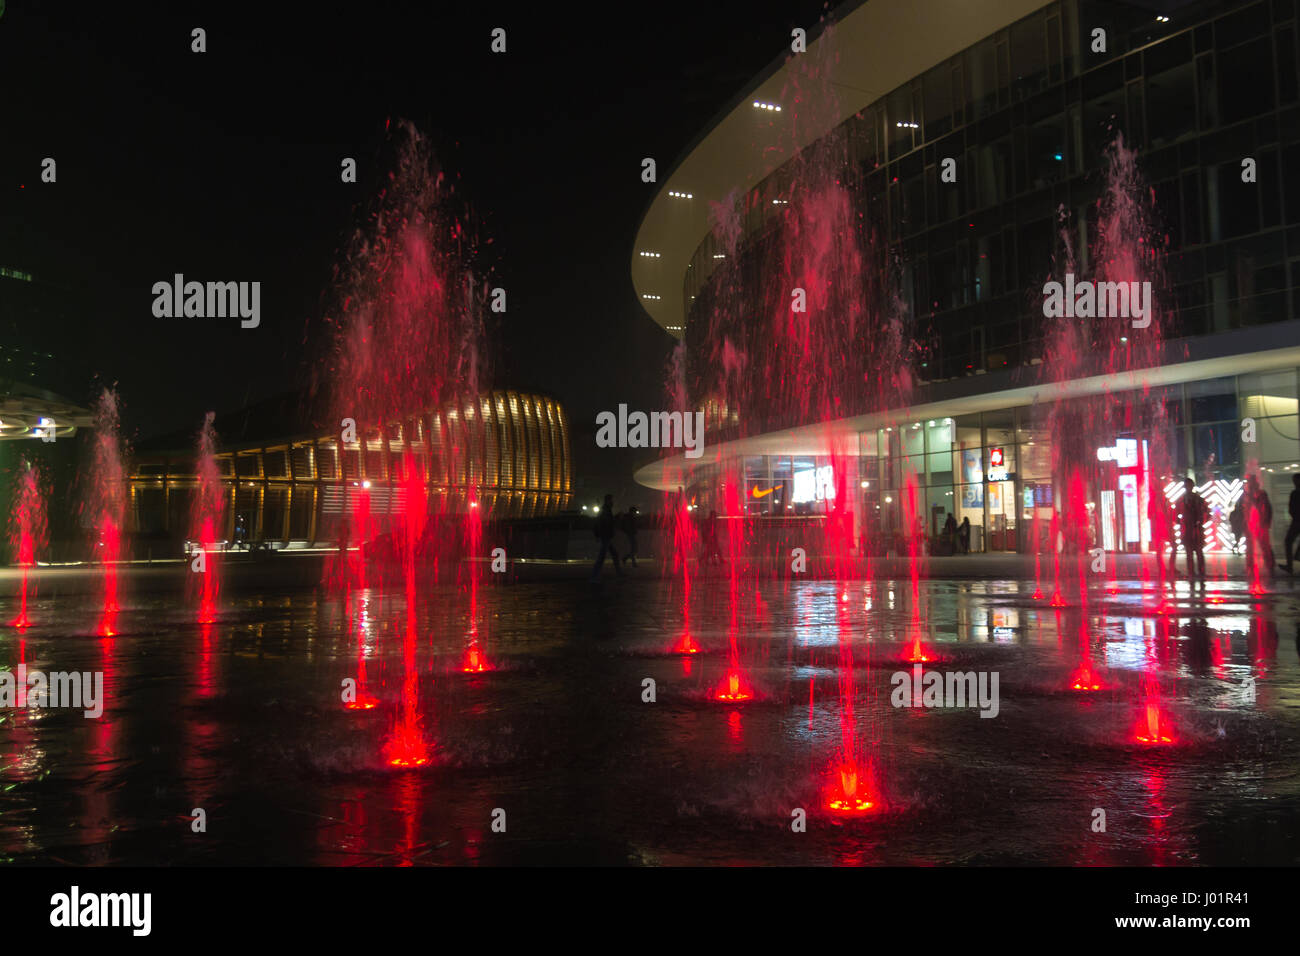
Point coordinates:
[[544, 748]]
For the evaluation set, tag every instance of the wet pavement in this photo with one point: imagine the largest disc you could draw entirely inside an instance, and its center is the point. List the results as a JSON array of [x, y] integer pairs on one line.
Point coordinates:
[[556, 744]]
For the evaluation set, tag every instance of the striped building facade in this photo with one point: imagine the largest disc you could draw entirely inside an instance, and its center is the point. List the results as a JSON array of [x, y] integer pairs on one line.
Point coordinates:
[[507, 452]]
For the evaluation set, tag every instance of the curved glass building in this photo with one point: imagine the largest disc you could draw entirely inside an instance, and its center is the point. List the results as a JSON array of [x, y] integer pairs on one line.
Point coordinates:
[[971, 139]]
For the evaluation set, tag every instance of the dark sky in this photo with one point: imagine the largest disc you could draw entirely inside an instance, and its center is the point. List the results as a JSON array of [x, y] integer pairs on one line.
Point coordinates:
[[225, 166]]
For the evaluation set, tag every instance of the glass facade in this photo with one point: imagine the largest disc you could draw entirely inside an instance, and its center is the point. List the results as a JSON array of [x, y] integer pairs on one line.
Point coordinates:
[[1027, 113], [995, 469]]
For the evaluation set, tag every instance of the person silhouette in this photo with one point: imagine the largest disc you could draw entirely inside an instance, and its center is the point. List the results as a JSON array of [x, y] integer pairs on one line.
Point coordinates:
[[605, 533], [950, 533], [1259, 519], [1293, 532], [1193, 532]]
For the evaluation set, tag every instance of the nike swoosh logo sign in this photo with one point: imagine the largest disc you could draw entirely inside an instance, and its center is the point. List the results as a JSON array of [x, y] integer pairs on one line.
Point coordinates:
[[764, 494]]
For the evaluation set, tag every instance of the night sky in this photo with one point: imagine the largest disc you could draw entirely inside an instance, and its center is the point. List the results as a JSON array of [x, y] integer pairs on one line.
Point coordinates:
[[225, 166]]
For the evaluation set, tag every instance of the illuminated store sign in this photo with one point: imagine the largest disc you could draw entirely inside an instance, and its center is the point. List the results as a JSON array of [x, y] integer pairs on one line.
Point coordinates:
[[997, 465], [1123, 453]]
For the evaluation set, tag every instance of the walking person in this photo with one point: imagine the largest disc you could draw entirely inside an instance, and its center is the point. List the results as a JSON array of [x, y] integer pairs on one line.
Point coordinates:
[[950, 534], [1259, 520], [629, 529], [1193, 532], [605, 533], [1293, 532], [1161, 520], [963, 534]]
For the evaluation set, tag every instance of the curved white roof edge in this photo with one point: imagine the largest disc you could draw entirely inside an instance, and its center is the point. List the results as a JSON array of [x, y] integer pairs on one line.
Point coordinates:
[[858, 57], [840, 435]]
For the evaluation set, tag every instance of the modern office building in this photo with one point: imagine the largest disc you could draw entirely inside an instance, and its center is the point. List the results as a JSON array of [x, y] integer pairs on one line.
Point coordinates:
[[1026, 100], [507, 453], [33, 317]]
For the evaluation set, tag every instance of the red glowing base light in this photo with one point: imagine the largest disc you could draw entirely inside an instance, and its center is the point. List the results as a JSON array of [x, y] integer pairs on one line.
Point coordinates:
[[406, 746], [22, 621], [733, 690], [406, 751], [1085, 680], [403, 760], [686, 645], [106, 628], [1038, 594], [916, 653], [845, 797], [475, 661], [1151, 732], [363, 702], [1057, 600]]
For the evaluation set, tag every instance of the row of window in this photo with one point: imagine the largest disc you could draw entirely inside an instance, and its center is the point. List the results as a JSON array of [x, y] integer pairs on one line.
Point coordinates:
[[1035, 151]]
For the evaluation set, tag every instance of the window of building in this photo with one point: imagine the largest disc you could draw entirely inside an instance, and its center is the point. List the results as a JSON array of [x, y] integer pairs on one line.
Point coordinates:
[[1246, 80]]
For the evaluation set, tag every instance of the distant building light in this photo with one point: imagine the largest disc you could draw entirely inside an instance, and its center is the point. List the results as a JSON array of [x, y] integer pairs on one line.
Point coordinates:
[[1162, 19], [771, 107], [647, 295], [1058, 157], [780, 202], [15, 274], [651, 255], [719, 255], [908, 125], [680, 195]]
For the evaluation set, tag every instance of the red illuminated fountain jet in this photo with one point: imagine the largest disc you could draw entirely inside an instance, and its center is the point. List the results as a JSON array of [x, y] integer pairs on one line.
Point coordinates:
[[108, 505], [28, 531], [406, 353], [406, 746], [206, 519]]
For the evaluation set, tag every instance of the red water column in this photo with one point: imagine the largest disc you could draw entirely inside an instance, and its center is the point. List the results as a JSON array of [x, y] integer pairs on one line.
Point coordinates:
[[28, 531], [206, 520], [476, 659], [108, 505], [917, 653], [1054, 542], [1085, 679], [851, 788], [735, 686], [353, 572], [406, 746], [1038, 557], [1154, 727], [1077, 520], [685, 545], [364, 623]]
